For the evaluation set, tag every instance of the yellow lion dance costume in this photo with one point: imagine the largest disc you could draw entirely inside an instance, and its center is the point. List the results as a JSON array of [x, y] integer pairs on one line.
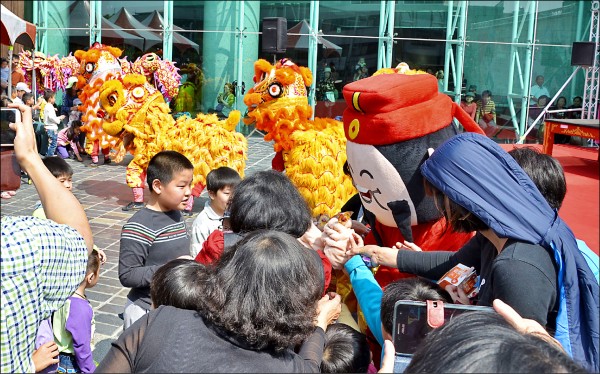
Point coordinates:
[[312, 152], [137, 113], [102, 63]]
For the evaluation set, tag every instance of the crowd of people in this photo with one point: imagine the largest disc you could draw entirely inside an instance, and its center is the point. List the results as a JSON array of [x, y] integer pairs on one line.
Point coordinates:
[[58, 130], [250, 287]]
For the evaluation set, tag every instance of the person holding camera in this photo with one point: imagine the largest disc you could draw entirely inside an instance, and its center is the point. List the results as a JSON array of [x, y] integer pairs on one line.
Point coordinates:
[[43, 261]]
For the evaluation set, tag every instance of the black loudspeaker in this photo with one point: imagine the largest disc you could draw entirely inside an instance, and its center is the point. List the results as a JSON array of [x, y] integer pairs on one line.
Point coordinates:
[[583, 54], [274, 35]]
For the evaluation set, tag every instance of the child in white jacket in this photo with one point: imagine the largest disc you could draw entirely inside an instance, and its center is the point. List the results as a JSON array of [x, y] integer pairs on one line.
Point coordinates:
[[51, 121]]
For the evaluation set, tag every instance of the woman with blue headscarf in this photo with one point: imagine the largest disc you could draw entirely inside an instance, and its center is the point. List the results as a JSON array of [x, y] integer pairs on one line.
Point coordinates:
[[524, 253]]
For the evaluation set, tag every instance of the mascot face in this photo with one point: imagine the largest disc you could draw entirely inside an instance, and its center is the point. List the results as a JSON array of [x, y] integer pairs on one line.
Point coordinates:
[[377, 182], [392, 121], [126, 103], [98, 61], [284, 80], [389, 180]]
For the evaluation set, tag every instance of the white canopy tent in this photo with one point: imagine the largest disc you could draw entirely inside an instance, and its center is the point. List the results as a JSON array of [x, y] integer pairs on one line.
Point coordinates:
[[15, 30]]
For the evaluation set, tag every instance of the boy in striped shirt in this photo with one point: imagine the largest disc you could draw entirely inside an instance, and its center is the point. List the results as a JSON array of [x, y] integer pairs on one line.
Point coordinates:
[[157, 233]]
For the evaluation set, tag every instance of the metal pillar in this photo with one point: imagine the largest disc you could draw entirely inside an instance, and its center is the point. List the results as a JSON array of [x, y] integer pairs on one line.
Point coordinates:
[[460, 49], [449, 55], [389, 50], [592, 78], [40, 19], [386, 34], [312, 50], [514, 61], [454, 61], [240, 52], [95, 22], [531, 12], [579, 35], [168, 31], [380, 41]]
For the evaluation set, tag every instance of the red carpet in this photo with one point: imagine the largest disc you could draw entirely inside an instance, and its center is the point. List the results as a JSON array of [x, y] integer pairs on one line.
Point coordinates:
[[581, 207]]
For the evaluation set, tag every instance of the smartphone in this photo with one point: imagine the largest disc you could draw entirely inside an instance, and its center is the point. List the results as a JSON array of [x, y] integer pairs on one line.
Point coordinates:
[[225, 223], [10, 171], [8, 116], [411, 325]]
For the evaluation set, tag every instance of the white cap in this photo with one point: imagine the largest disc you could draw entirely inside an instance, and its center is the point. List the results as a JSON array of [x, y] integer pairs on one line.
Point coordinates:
[[71, 82], [22, 86]]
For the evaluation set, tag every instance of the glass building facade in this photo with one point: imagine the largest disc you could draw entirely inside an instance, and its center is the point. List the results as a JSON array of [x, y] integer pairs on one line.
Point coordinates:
[[500, 46]]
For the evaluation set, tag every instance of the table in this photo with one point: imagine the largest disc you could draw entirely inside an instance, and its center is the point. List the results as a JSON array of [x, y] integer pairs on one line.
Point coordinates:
[[585, 128]]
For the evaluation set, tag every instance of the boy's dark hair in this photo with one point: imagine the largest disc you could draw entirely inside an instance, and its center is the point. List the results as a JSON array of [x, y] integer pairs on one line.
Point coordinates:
[[175, 283], [545, 172], [346, 350], [483, 342], [48, 94], [269, 200], [412, 289], [164, 165], [58, 167], [222, 177], [26, 96], [93, 263], [487, 92]]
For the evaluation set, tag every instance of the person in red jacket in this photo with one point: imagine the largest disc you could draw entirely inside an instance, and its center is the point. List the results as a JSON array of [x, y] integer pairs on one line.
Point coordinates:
[[265, 200]]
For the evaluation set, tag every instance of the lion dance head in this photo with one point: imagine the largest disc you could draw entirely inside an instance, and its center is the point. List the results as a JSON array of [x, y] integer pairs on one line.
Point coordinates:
[[135, 111]]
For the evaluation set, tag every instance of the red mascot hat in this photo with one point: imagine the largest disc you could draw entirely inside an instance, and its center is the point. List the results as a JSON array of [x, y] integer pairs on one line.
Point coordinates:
[[390, 108]]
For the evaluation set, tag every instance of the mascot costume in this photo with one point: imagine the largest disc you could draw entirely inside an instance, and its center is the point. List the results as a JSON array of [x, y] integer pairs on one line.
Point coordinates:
[[124, 109], [393, 121], [311, 152], [136, 113]]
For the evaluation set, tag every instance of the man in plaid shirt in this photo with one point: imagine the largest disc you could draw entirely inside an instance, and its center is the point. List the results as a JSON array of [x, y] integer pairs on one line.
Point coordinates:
[[41, 261]]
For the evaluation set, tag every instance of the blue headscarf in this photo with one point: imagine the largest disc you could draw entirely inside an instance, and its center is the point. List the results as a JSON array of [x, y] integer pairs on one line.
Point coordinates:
[[476, 173]]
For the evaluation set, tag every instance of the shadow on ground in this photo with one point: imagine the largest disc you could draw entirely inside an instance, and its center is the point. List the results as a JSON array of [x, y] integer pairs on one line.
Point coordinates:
[[107, 189], [101, 349]]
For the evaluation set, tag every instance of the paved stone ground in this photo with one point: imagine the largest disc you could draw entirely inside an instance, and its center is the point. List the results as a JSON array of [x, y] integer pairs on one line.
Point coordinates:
[[102, 192]]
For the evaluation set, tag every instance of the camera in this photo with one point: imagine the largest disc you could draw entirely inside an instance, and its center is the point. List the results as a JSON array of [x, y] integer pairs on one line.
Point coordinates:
[[8, 116], [10, 176], [413, 320]]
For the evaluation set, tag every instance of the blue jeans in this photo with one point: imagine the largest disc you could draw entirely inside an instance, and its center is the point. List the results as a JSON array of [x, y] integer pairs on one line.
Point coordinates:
[[52, 135], [67, 364]]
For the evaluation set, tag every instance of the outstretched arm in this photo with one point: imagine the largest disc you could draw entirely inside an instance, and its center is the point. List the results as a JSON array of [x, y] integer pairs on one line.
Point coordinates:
[[53, 195]]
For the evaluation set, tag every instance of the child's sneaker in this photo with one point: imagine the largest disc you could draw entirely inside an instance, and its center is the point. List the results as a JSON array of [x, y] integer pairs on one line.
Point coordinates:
[[132, 206]]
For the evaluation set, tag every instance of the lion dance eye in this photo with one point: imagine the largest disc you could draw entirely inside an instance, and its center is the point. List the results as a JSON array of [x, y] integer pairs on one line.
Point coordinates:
[[112, 99], [275, 90], [138, 92], [89, 67]]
